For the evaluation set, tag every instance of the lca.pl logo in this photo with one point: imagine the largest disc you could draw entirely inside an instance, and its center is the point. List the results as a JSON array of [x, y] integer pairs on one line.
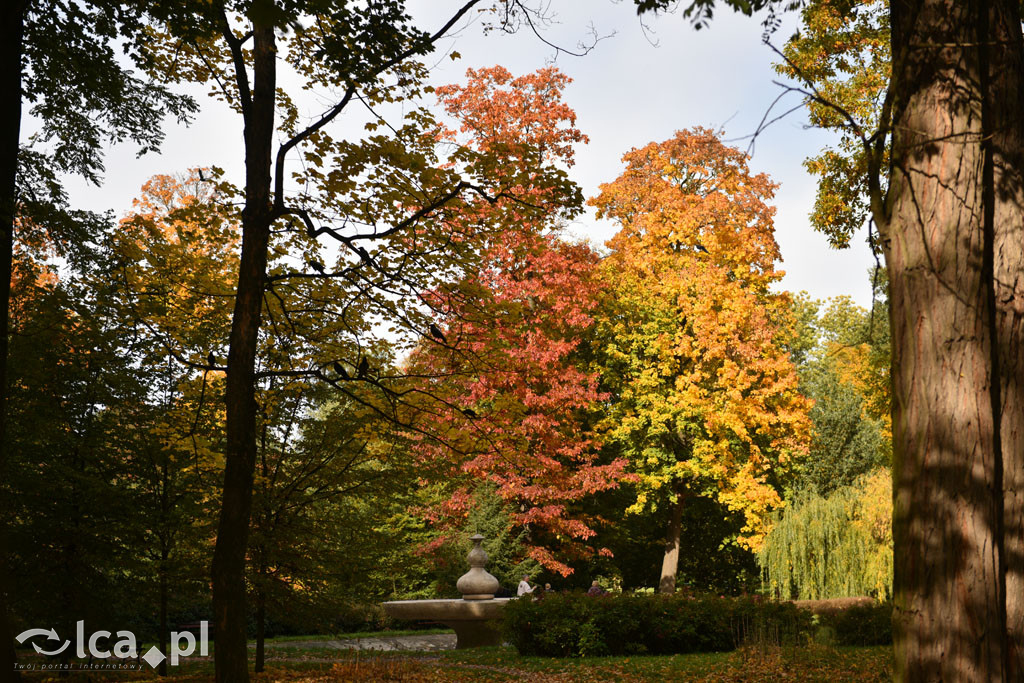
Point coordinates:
[[125, 648]]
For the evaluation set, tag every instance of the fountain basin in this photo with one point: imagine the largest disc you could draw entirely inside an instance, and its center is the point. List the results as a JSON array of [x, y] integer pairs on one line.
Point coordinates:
[[477, 623]]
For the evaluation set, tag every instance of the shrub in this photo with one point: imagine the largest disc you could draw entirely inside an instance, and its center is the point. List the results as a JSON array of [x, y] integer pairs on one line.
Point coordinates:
[[862, 625], [772, 623], [577, 625], [550, 626]]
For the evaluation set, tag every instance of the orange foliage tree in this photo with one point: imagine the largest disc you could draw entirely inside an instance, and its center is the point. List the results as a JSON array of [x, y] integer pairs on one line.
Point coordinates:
[[705, 397]]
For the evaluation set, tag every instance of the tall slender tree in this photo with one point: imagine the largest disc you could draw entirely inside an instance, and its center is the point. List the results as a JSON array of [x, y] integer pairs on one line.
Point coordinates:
[[383, 201], [171, 267]]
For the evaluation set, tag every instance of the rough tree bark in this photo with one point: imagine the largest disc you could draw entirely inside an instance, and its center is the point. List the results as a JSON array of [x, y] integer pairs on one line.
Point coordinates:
[[228, 571], [670, 563], [953, 236]]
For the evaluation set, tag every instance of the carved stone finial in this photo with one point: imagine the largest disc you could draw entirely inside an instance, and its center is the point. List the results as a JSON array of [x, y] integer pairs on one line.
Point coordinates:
[[477, 584]]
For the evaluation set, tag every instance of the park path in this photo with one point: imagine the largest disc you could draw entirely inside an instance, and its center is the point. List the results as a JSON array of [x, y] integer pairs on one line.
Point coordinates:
[[429, 642]]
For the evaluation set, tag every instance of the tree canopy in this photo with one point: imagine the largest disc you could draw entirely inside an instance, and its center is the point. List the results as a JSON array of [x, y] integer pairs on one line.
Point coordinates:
[[705, 396]]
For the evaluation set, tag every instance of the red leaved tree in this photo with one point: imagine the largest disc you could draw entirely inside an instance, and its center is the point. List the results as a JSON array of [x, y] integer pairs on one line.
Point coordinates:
[[509, 391]]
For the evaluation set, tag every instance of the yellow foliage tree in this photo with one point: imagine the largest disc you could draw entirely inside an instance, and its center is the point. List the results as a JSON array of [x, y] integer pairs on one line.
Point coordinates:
[[705, 395]]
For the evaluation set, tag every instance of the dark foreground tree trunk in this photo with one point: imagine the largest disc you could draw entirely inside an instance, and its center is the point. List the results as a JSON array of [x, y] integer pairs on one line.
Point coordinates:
[[10, 127], [670, 563], [228, 572], [953, 236]]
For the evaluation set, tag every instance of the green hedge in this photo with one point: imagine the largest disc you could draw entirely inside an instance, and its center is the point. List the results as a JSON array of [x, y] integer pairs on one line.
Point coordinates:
[[861, 625], [578, 625]]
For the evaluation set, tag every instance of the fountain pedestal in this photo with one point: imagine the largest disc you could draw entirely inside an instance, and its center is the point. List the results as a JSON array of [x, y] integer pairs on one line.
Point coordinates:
[[476, 618], [477, 623]]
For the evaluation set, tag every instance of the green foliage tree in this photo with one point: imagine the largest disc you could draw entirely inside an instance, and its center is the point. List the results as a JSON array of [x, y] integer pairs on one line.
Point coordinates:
[[819, 546], [77, 435], [326, 472], [846, 443], [832, 545], [844, 370], [58, 58], [855, 344]]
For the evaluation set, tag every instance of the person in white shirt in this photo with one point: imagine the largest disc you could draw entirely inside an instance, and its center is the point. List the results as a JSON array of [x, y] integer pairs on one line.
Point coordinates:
[[524, 586]]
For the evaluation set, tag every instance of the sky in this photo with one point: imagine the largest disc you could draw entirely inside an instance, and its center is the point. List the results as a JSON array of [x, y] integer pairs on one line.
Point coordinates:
[[640, 83]]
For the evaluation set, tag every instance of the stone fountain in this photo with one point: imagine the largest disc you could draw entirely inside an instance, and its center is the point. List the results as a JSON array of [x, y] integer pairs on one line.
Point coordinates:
[[476, 618]]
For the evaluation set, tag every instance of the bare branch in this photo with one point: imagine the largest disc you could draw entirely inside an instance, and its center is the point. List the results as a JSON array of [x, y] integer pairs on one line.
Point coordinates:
[[583, 48]]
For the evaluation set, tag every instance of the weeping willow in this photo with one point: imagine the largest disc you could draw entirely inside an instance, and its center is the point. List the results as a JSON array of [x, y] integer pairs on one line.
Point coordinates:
[[835, 546]]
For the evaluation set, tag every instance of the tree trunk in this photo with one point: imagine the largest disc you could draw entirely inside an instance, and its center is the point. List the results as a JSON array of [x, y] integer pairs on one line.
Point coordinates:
[[261, 624], [953, 246], [228, 571], [10, 72], [670, 564], [164, 536], [164, 630]]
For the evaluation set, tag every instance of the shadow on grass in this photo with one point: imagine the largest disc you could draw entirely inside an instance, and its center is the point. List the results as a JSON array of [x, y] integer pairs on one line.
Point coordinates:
[[755, 663]]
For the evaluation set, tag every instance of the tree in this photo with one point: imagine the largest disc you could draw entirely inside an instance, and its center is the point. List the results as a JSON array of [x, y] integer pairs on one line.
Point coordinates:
[[834, 536], [833, 545], [512, 383], [844, 50], [956, 463], [326, 472], [170, 266], [846, 443], [81, 426], [58, 58], [711, 559], [954, 294], [855, 343], [846, 374], [383, 200], [705, 396], [943, 176], [514, 402]]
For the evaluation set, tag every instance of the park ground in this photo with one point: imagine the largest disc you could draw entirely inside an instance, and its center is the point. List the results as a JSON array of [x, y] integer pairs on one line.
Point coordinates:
[[298, 661]]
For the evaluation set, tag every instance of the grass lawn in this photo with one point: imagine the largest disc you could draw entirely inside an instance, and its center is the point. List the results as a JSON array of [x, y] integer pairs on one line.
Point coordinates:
[[765, 664]]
